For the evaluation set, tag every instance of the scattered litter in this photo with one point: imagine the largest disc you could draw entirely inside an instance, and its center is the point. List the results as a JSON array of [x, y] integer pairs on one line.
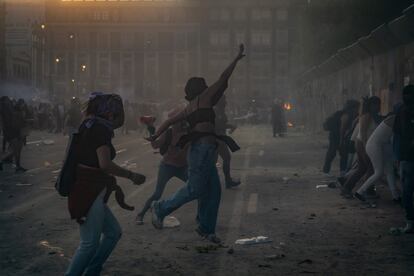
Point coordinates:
[[275, 257], [23, 184], [342, 208], [321, 186], [285, 179], [313, 215], [296, 174], [282, 244], [206, 248], [264, 265], [121, 151], [185, 247], [306, 261], [230, 251], [53, 249], [254, 240], [171, 222], [47, 164], [275, 209], [56, 171], [48, 142]]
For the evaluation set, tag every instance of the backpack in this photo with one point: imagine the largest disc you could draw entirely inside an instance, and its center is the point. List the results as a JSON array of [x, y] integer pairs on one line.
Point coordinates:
[[333, 122], [67, 175]]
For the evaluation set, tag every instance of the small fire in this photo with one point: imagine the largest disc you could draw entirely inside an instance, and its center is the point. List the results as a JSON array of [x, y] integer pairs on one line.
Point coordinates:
[[290, 124], [287, 106]]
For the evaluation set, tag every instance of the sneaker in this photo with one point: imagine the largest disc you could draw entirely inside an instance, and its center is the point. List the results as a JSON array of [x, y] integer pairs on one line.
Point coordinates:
[[139, 220], [341, 180], [209, 237], [231, 183], [20, 169], [409, 228], [156, 220], [360, 197]]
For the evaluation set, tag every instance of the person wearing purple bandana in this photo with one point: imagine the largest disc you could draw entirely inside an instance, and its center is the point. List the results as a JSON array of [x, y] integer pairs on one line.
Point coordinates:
[[99, 229]]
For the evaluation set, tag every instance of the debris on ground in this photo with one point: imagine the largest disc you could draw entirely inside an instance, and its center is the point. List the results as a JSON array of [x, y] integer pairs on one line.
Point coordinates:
[[48, 142], [23, 184], [296, 174], [306, 261], [56, 171], [47, 164], [206, 248], [285, 179], [275, 209], [253, 240], [264, 265], [185, 247], [171, 222], [275, 257], [313, 215], [322, 186], [230, 251]]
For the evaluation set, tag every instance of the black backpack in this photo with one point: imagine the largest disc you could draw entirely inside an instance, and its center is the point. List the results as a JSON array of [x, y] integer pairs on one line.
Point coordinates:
[[333, 122], [67, 175]]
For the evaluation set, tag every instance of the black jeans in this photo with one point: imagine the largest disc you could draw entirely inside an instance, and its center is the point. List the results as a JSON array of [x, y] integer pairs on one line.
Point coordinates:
[[331, 153]]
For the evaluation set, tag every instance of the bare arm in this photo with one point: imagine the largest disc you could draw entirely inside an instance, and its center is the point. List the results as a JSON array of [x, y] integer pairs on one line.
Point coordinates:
[[169, 122], [106, 164], [363, 126], [216, 90]]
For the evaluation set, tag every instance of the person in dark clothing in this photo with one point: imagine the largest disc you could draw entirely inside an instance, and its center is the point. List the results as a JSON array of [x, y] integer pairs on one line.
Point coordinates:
[[95, 175], [338, 126], [13, 124], [222, 126], [73, 117], [278, 119], [404, 151]]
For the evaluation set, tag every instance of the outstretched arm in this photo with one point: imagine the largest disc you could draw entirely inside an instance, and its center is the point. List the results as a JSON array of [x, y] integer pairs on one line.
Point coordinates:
[[169, 122], [216, 90]]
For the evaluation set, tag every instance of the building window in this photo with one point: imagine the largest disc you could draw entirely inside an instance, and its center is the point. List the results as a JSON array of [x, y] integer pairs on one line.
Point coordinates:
[[219, 39], [282, 39], [261, 38], [219, 15], [282, 15], [282, 64], [100, 15], [240, 15], [261, 15]]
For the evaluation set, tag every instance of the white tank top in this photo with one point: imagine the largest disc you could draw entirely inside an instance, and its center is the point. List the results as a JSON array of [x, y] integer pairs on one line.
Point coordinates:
[[381, 135]]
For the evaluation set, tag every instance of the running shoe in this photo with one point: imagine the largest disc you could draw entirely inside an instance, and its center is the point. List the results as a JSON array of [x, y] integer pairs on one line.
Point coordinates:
[[156, 220], [360, 197], [209, 237]]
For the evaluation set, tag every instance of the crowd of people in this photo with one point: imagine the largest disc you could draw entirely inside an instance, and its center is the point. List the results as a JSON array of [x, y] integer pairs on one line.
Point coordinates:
[[371, 146]]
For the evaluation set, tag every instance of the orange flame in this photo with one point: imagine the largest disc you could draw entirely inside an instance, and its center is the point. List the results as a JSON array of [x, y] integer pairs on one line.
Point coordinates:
[[287, 106]]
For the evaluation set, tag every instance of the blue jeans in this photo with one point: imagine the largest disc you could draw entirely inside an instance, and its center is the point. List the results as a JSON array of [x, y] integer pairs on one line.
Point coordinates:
[[407, 181], [165, 173], [203, 184], [92, 251]]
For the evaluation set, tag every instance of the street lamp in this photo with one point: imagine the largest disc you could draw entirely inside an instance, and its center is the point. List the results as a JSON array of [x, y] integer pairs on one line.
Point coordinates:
[[83, 67], [43, 26], [57, 60]]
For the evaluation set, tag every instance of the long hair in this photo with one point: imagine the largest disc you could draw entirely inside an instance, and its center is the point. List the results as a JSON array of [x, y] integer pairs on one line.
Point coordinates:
[[194, 87]]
